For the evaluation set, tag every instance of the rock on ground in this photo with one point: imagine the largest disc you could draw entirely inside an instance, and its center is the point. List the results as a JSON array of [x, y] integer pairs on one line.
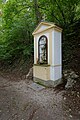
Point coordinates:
[[70, 76]]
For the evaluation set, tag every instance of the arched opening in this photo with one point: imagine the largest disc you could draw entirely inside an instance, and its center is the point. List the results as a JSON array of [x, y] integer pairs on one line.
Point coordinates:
[[42, 50]]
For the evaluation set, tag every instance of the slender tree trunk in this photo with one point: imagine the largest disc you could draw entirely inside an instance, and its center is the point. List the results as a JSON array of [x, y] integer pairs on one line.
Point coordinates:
[[37, 12]]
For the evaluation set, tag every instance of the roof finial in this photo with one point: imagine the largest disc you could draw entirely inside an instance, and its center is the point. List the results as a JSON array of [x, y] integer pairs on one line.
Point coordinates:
[[43, 18]]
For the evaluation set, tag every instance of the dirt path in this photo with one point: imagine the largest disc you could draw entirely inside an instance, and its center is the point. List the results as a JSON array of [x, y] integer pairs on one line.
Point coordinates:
[[19, 102]]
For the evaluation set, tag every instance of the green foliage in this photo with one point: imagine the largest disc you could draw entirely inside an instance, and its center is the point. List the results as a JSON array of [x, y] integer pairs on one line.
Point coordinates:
[[17, 40], [19, 18]]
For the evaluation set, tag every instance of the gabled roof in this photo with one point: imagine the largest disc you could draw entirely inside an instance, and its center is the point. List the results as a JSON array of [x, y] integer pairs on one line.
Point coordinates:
[[42, 26]]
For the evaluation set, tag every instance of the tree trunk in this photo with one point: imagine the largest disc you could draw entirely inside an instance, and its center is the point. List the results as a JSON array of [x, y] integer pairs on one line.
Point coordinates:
[[37, 12]]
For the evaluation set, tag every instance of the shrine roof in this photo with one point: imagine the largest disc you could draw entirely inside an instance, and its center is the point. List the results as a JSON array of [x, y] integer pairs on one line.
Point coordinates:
[[42, 26]]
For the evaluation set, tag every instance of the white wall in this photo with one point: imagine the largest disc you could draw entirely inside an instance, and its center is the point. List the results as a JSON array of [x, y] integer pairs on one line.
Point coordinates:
[[55, 72], [56, 48], [56, 67], [43, 27], [52, 47]]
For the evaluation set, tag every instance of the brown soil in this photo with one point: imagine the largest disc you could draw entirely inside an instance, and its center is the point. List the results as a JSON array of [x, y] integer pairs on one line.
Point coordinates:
[[19, 102]]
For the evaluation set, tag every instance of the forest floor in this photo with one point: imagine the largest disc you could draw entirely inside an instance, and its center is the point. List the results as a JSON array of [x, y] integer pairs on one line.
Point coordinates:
[[19, 102]]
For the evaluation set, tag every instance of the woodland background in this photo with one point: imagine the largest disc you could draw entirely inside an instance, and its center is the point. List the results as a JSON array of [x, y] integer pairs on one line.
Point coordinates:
[[18, 19]]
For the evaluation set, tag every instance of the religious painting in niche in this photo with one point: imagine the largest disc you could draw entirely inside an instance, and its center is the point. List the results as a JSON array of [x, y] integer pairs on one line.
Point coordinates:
[[42, 50]]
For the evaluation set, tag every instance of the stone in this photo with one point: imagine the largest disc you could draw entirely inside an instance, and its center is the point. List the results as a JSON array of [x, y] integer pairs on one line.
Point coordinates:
[[30, 73], [73, 75], [69, 109], [78, 96], [70, 77], [70, 83], [65, 74], [72, 92], [70, 116], [64, 98], [36, 86], [77, 92]]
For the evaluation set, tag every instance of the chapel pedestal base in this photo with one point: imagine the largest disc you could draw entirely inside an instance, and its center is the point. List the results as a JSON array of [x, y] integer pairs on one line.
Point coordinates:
[[46, 75], [49, 83]]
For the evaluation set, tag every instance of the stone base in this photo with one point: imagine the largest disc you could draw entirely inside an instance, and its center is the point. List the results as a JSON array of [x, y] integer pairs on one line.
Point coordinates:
[[48, 83]]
